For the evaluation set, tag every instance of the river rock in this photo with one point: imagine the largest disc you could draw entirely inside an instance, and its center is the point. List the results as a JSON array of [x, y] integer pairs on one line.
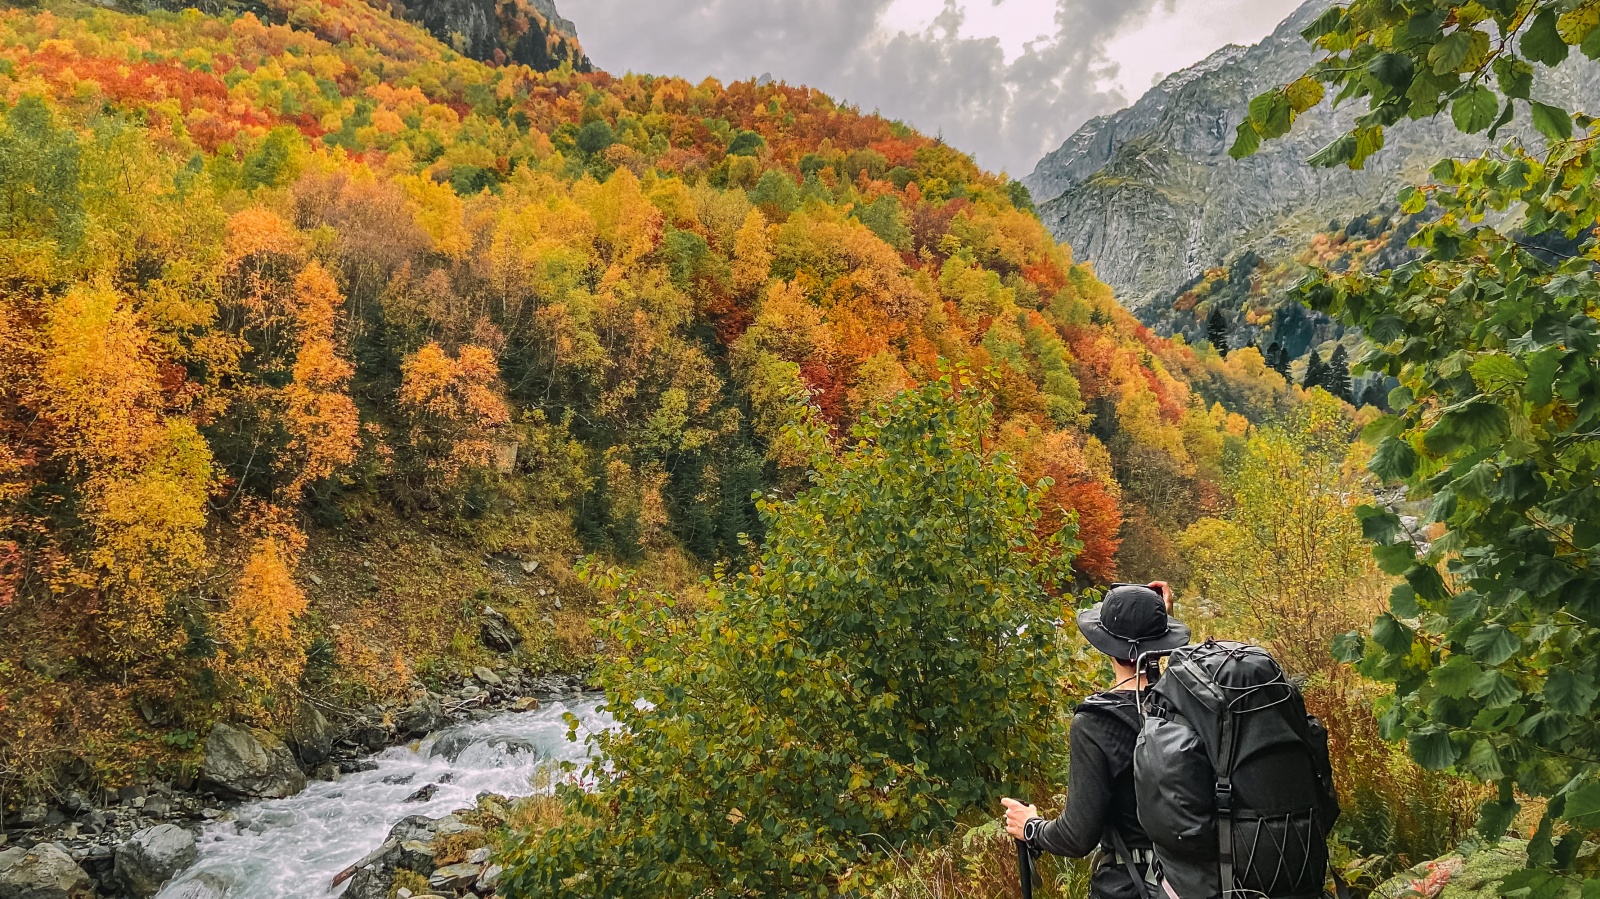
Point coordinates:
[[372, 736], [409, 847], [497, 632], [44, 872], [423, 793], [486, 677], [311, 736], [247, 763], [201, 885], [152, 857], [414, 827], [455, 877], [421, 718], [158, 806], [451, 744], [416, 855], [488, 880], [525, 704]]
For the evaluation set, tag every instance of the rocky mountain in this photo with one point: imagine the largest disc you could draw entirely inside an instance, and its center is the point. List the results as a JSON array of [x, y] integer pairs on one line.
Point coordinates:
[[527, 32], [1150, 196], [530, 32]]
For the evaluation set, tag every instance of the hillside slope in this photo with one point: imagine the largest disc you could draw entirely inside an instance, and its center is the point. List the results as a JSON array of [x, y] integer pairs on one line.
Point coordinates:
[[1150, 197], [318, 338]]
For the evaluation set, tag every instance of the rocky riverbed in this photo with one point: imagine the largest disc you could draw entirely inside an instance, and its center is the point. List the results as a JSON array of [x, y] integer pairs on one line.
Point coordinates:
[[312, 803]]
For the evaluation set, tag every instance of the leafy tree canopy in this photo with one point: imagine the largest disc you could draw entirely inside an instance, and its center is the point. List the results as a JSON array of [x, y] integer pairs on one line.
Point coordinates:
[[1493, 640]]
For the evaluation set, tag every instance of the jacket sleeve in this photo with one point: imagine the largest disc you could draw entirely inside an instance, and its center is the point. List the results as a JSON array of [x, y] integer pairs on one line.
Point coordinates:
[[1077, 832]]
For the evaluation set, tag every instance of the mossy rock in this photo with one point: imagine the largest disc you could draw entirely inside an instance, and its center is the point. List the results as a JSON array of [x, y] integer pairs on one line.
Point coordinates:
[[1463, 876]]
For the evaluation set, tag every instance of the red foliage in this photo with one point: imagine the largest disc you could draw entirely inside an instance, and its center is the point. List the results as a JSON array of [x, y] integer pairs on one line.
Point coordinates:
[[1099, 523], [141, 84], [1045, 276], [829, 386]]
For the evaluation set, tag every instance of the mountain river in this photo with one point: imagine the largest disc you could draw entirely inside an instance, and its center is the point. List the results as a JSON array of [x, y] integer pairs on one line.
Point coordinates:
[[282, 848]]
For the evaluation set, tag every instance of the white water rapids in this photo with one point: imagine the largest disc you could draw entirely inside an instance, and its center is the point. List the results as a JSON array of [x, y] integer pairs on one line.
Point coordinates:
[[282, 848]]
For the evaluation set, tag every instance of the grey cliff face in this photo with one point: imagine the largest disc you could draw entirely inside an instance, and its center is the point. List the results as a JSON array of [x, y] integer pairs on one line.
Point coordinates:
[[530, 32], [1150, 196]]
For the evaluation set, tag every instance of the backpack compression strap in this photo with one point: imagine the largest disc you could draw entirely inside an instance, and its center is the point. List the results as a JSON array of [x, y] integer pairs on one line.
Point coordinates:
[[1225, 755]]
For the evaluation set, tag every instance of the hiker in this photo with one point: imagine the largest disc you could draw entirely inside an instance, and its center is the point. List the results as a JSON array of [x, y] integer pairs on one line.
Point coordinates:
[[1102, 812]]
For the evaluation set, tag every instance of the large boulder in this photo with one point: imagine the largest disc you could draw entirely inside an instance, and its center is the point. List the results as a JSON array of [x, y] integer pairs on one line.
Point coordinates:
[[409, 846], [421, 718], [455, 878], [311, 736], [247, 763], [44, 872], [151, 857]]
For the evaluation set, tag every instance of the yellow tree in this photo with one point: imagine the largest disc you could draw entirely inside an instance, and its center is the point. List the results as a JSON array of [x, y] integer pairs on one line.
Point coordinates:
[[752, 256], [1286, 564], [262, 654], [454, 407], [145, 475], [320, 416]]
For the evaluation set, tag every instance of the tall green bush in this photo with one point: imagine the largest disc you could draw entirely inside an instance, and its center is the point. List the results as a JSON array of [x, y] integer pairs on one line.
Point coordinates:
[[888, 665]]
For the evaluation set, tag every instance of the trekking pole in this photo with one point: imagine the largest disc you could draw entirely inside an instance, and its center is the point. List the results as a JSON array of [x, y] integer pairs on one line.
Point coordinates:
[[1025, 869]]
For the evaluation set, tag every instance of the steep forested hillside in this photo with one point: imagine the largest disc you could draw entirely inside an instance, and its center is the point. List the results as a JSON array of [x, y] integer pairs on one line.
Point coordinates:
[[317, 337]]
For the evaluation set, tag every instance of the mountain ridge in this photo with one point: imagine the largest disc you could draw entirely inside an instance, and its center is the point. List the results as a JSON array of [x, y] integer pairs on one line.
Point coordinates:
[[1150, 197]]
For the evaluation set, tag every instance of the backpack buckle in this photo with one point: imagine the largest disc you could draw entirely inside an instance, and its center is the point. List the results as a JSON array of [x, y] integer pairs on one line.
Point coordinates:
[[1224, 797]]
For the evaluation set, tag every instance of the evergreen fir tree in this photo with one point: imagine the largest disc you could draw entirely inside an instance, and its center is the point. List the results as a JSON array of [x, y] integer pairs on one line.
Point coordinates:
[[1278, 359], [1337, 379], [1316, 372], [1370, 394], [1217, 331]]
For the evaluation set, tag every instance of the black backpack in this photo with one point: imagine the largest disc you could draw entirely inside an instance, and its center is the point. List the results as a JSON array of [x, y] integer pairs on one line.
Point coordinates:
[[1234, 785]]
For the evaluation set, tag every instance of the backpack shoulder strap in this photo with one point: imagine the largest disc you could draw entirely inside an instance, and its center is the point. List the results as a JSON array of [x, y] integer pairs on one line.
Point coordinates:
[[1139, 883]]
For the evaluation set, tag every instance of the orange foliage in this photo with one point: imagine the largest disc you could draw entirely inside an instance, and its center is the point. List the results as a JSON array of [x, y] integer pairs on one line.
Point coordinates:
[[260, 648], [454, 406], [321, 418]]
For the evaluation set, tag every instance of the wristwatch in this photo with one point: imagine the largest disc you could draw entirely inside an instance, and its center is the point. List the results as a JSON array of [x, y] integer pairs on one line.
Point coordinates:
[[1031, 829]]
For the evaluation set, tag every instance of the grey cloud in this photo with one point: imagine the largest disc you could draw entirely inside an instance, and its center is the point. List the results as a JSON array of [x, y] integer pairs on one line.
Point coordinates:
[[1007, 114]]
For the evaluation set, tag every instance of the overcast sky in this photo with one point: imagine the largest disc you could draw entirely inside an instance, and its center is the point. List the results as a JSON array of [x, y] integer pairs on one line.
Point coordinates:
[[1007, 80]]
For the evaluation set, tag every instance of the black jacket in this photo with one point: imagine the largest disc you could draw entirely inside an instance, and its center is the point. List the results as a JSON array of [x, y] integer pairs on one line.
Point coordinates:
[[1100, 792]]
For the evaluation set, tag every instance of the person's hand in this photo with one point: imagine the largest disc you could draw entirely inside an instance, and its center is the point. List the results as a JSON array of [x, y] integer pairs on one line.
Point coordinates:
[[1017, 814], [1165, 591]]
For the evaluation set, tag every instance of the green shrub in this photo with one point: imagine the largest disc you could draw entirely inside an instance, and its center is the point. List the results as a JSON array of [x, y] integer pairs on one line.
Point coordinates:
[[889, 666]]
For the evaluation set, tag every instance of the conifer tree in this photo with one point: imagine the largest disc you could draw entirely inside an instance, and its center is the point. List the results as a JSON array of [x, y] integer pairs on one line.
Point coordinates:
[[1337, 379], [1217, 331], [1316, 372], [1278, 359], [1371, 393]]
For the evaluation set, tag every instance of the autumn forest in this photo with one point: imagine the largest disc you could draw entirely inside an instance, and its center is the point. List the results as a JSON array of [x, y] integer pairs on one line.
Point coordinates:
[[339, 361]]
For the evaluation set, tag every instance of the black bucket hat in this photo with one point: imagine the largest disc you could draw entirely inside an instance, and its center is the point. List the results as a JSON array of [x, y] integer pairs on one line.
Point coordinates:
[[1131, 620]]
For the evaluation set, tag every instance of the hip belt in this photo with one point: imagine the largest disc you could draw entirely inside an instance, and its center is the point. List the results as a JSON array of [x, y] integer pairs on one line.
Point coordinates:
[[1144, 858]]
